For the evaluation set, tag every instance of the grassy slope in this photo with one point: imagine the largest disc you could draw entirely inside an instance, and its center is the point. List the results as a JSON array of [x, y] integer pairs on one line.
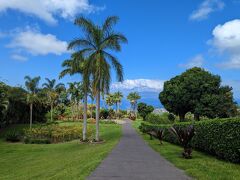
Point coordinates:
[[70, 160], [201, 166]]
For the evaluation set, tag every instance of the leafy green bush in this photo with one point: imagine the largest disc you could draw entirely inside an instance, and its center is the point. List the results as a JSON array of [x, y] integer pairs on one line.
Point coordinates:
[[219, 137], [13, 136], [157, 119], [53, 134], [171, 117], [104, 113]]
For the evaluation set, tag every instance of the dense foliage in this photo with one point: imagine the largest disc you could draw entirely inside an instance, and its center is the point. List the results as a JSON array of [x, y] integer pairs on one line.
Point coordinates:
[[157, 119], [199, 92], [144, 110], [218, 137], [16, 107]]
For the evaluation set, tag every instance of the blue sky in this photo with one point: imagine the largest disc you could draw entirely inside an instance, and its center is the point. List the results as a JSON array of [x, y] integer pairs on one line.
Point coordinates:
[[165, 38]]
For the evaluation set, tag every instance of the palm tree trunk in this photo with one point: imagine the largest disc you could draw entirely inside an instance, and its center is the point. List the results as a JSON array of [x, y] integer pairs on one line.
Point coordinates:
[[85, 118], [51, 112], [97, 115], [31, 109]]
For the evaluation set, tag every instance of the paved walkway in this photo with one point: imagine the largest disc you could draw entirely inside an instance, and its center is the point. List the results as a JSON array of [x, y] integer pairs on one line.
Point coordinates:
[[133, 159]]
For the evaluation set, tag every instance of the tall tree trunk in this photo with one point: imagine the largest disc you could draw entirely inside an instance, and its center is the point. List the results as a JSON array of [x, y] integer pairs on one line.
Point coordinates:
[[51, 112], [31, 109], [97, 115], [85, 118], [196, 117], [72, 112], [182, 117], [118, 104]]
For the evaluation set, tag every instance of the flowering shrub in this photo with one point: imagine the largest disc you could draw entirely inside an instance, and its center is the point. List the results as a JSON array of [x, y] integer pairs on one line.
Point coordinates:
[[53, 134]]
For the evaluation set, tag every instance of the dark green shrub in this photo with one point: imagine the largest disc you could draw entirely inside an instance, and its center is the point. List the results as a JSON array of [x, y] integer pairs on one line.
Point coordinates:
[[157, 119], [144, 110], [171, 117], [28, 140], [104, 113], [13, 136], [219, 137]]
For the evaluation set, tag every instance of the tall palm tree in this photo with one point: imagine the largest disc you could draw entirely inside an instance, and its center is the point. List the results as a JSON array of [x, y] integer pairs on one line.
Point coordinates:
[[32, 88], [118, 99], [133, 97], [3, 101], [52, 91], [109, 100], [76, 65], [96, 46]]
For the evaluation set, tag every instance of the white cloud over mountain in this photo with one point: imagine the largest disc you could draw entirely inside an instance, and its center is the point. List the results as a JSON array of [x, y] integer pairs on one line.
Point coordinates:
[[36, 43], [226, 40], [206, 8], [48, 9], [140, 85], [196, 61]]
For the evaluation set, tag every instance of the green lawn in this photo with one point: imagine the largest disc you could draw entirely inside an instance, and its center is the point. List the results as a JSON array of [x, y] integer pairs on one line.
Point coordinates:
[[70, 160], [201, 166]]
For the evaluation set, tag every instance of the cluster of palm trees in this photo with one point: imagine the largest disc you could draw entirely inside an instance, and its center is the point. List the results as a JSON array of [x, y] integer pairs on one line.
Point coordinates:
[[133, 98], [92, 60], [114, 99], [36, 94]]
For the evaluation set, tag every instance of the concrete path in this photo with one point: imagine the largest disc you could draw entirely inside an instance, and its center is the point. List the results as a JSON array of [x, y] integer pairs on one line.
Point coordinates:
[[133, 159]]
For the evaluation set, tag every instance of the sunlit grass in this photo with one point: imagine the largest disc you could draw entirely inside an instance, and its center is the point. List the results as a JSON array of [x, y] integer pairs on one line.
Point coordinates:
[[201, 166], [70, 160]]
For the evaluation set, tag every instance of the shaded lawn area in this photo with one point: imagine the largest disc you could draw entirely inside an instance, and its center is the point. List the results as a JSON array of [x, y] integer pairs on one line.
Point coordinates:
[[70, 160], [201, 166]]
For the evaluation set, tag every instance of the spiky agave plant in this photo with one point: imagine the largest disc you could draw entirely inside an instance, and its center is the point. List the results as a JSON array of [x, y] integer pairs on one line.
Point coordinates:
[[184, 135]]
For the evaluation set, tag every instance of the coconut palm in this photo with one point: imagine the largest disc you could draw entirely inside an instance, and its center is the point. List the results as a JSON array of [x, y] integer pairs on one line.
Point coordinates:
[[32, 97], [76, 65], [52, 92], [133, 97], [117, 99], [96, 46], [109, 100], [3, 101]]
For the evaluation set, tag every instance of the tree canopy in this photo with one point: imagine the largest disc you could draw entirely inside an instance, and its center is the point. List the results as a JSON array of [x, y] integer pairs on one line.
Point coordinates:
[[199, 92]]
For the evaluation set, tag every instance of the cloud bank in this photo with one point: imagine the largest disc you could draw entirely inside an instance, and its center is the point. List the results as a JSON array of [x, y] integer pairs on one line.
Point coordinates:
[[47, 10], [36, 43], [226, 41], [140, 85]]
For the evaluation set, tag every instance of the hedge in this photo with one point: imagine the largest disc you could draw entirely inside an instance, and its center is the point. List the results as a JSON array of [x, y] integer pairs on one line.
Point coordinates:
[[219, 137]]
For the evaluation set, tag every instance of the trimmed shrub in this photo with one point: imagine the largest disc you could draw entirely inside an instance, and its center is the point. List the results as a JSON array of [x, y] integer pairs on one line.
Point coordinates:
[[219, 137], [156, 119]]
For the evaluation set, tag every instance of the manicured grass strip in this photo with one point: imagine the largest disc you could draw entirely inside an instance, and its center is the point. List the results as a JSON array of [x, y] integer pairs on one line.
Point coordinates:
[[201, 166], [70, 160]]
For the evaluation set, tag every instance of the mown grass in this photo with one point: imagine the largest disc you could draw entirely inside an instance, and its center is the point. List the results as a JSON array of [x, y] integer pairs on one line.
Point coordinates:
[[70, 160], [201, 166]]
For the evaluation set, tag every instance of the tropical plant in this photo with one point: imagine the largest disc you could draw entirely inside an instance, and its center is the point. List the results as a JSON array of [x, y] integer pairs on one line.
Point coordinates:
[[133, 97], [53, 91], [184, 135], [109, 100], [3, 102], [77, 65], [32, 97], [117, 97], [96, 46]]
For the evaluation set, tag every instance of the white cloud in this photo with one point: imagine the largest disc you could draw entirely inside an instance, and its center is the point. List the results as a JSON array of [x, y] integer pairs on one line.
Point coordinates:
[[36, 43], [205, 8], [196, 61], [48, 9], [226, 40], [19, 57], [139, 85]]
